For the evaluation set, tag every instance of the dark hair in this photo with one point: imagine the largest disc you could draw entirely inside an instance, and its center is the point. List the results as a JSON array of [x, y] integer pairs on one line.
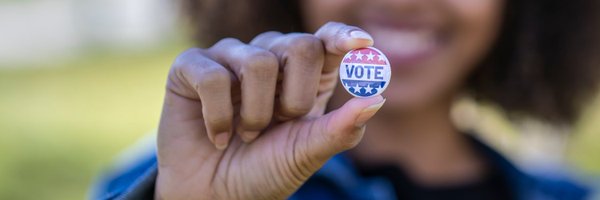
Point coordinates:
[[544, 63]]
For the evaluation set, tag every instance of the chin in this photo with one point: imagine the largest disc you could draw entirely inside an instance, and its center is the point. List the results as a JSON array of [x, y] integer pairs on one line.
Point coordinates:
[[401, 99]]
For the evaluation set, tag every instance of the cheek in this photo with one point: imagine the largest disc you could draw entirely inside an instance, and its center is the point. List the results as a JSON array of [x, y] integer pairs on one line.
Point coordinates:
[[473, 31], [470, 31], [474, 28]]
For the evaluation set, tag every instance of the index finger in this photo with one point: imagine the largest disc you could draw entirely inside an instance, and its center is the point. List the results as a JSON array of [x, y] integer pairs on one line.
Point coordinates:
[[340, 38]]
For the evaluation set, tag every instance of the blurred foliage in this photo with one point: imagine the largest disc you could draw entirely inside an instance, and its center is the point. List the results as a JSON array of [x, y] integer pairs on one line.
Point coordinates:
[[63, 123], [584, 148]]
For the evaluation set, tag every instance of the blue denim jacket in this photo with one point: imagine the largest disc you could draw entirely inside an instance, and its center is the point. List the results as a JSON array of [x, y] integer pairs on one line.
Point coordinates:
[[338, 179]]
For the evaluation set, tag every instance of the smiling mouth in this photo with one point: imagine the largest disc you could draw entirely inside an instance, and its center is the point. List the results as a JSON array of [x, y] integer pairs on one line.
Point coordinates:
[[405, 46]]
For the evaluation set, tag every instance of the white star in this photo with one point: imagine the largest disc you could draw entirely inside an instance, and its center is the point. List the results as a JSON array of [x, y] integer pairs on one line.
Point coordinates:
[[356, 88], [370, 56], [380, 58], [368, 88], [359, 56]]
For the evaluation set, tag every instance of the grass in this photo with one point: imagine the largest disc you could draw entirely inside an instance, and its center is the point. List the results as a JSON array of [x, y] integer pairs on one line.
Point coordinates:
[[62, 124]]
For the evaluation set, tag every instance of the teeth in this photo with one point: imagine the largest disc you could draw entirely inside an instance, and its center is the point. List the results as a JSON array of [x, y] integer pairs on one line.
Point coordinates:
[[404, 43]]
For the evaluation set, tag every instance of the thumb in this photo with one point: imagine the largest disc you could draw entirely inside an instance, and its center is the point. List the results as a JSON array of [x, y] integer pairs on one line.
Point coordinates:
[[343, 128]]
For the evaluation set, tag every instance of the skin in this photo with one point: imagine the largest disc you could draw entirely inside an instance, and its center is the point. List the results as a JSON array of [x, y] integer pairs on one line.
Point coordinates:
[[414, 130], [247, 121]]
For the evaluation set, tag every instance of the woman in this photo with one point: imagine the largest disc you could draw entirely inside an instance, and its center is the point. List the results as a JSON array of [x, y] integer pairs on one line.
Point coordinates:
[[257, 115]]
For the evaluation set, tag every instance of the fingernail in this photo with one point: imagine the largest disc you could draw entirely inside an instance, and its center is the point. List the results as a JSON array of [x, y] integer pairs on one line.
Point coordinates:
[[222, 140], [367, 113], [249, 136], [360, 35]]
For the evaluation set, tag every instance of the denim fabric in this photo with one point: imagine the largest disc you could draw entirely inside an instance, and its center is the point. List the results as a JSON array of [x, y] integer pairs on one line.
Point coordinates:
[[338, 179]]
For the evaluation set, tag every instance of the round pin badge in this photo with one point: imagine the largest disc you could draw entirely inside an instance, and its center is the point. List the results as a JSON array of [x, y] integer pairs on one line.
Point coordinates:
[[365, 72]]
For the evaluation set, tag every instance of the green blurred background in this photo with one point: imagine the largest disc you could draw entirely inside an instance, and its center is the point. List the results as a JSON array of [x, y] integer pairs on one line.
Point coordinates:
[[81, 80]]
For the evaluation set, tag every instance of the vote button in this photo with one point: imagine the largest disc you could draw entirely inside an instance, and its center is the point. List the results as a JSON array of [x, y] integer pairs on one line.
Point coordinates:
[[365, 72]]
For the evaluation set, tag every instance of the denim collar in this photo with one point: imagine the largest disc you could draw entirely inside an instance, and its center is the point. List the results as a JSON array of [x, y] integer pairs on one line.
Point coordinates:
[[341, 172]]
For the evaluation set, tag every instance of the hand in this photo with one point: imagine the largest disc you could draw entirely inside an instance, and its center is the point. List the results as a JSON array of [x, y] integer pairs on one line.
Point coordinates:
[[272, 93]]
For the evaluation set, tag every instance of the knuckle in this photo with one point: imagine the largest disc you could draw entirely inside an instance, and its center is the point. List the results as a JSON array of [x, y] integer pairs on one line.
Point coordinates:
[[346, 140], [186, 62], [212, 78], [260, 61], [305, 45], [349, 140], [330, 28], [332, 24], [226, 42], [184, 58], [267, 34], [224, 46], [270, 33]]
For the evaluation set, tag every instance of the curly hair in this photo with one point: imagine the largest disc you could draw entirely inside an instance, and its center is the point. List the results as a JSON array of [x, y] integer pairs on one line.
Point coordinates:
[[544, 63]]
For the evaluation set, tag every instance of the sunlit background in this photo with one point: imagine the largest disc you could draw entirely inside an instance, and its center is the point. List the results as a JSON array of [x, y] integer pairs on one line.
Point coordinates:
[[81, 80]]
